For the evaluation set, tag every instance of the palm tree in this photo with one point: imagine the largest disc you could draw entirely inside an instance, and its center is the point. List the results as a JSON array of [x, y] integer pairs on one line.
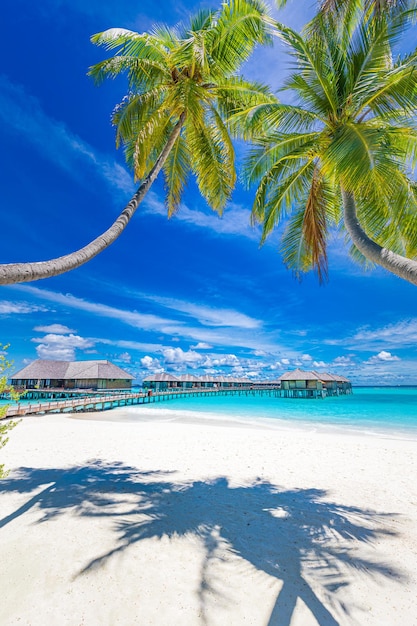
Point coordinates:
[[377, 7], [182, 83], [345, 147]]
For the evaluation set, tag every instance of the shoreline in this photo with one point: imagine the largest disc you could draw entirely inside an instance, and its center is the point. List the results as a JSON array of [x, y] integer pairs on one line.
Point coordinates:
[[137, 415], [176, 522]]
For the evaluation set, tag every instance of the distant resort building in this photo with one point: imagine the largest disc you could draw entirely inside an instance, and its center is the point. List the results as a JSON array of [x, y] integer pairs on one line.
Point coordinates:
[[94, 375], [44, 374], [164, 381], [295, 384], [301, 384]]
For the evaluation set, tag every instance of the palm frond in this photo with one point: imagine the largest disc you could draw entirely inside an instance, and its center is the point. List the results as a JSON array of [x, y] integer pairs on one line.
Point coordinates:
[[389, 212], [282, 193], [238, 96], [212, 161], [293, 245], [312, 64], [241, 24], [279, 153], [115, 37], [143, 133], [357, 155], [397, 90], [131, 44], [315, 226], [176, 170], [137, 111], [200, 21]]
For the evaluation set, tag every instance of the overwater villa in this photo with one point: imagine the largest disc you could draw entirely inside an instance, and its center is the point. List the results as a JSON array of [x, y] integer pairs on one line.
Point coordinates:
[[302, 384], [45, 374], [295, 384], [335, 384], [164, 381]]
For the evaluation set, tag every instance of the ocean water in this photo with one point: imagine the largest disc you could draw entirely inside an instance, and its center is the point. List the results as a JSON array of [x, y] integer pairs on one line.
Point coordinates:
[[374, 410]]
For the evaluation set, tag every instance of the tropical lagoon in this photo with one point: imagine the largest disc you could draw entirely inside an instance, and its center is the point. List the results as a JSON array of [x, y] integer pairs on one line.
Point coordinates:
[[375, 410]]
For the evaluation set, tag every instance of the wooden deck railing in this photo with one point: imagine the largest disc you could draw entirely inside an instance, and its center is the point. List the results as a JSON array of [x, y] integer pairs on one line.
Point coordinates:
[[101, 403], [110, 401]]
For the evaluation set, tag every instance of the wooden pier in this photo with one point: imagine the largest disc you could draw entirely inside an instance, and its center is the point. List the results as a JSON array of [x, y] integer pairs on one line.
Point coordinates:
[[111, 401]]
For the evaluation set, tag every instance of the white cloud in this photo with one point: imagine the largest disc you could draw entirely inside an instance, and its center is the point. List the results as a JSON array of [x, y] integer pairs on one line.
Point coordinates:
[[150, 363], [125, 357], [319, 364], [60, 347], [298, 333], [207, 316], [235, 335], [382, 357], [275, 366], [342, 361], [58, 329], [133, 318], [306, 358], [387, 356], [176, 356], [403, 333], [201, 345], [128, 345], [23, 113], [285, 361], [234, 221], [228, 360], [221, 317], [8, 308], [252, 374]]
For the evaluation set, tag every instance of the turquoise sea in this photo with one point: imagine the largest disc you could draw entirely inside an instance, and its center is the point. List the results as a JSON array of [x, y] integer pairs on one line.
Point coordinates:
[[376, 410]]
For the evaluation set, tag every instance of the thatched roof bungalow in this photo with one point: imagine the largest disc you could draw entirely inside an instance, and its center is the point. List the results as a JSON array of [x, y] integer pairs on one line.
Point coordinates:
[[295, 384], [301, 384], [48, 374], [164, 381], [335, 384], [314, 384], [207, 381], [329, 382], [189, 381], [161, 382], [344, 385]]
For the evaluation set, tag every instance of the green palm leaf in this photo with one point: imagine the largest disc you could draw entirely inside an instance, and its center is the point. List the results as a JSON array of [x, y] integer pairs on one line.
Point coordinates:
[[190, 71], [349, 132], [176, 170]]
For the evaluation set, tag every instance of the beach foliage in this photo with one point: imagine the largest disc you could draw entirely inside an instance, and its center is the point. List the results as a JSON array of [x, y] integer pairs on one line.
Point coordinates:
[[352, 8], [342, 151], [5, 425], [182, 84]]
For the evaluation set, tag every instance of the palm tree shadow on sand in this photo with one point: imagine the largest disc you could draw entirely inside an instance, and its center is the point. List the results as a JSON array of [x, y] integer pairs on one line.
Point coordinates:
[[279, 532]]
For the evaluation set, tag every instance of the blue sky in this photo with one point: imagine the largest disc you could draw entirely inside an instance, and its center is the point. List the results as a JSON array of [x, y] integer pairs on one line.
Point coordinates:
[[195, 293]]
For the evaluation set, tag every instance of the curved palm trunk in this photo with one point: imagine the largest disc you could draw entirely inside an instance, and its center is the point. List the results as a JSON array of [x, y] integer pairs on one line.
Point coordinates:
[[11, 273], [394, 263]]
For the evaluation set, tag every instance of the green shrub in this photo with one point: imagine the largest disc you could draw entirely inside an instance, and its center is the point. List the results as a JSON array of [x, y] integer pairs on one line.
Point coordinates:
[[6, 425]]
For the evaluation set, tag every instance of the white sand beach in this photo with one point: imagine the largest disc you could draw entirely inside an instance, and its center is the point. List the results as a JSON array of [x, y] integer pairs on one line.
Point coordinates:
[[170, 523]]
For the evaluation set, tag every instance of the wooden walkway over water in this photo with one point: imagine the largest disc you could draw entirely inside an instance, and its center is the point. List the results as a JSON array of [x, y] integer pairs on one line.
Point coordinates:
[[111, 401]]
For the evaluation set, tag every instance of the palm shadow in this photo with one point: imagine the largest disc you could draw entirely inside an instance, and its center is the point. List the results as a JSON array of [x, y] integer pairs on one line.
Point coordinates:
[[282, 533]]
